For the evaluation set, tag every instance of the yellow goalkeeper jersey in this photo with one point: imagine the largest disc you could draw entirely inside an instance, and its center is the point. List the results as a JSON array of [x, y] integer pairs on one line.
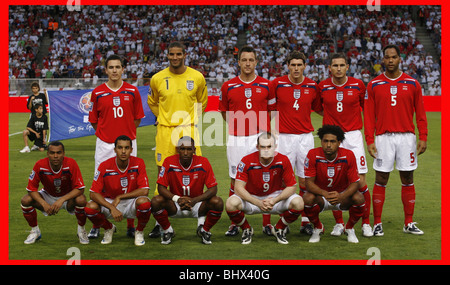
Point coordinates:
[[177, 99]]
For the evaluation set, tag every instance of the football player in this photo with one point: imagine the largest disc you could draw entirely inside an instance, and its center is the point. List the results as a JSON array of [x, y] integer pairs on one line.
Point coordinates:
[[332, 182], [265, 183], [63, 188], [119, 190], [180, 186]]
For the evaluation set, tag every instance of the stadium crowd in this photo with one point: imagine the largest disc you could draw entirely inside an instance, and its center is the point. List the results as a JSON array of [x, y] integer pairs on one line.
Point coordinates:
[[83, 39]]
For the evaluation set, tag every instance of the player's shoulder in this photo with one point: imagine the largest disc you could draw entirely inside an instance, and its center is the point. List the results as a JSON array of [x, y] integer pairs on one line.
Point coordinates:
[[325, 83], [251, 157], [194, 73], [110, 162], [406, 78], [353, 80], [345, 153], [69, 161], [129, 87], [160, 74], [281, 80], [260, 79], [43, 162], [137, 160]]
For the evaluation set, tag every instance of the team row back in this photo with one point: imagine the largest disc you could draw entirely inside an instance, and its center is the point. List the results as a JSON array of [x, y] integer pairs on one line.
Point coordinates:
[[389, 103]]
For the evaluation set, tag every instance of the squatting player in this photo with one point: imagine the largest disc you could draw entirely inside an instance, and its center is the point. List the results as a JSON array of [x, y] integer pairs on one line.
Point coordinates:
[[392, 99], [63, 188], [296, 96], [265, 183], [120, 190], [116, 110], [343, 101], [244, 105], [180, 185], [332, 182]]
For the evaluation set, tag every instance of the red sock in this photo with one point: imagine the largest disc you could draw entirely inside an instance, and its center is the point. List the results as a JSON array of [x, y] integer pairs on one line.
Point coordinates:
[[238, 218], [409, 201], [162, 217], [355, 213], [30, 215], [81, 215], [288, 217], [366, 215], [130, 223], [305, 219], [378, 197], [313, 214], [97, 218], [211, 219], [143, 213], [338, 216], [266, 219]]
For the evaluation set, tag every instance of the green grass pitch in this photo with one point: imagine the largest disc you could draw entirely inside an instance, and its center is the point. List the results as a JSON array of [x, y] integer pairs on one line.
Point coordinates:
[[59, 232]]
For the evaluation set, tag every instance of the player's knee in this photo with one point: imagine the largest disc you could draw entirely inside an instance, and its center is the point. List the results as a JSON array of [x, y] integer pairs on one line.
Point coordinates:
[[80, 201], [233, 203], [26, 200], [358, 198], [142, 200], [217, 203], [308, 198], [297, 204], [157, 202], [92, 205]]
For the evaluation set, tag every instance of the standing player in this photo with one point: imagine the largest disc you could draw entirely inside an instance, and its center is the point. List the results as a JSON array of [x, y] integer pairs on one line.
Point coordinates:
[[177, 97], [180, 187], [120, 190], [244, 104], [37, 98], [332, 182], [116, 110], [343, 101], [63, 187], [265, 183], [296, 96], [391, 101]]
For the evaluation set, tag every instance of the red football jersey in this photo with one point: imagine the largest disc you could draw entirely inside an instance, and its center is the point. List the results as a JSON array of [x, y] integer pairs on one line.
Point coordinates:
[[110, 181], [247, 103], [294, 103], [115, 111], [333, 175], [390, 105], [57, 183], [343, 104], [187, 182], [262, 179]]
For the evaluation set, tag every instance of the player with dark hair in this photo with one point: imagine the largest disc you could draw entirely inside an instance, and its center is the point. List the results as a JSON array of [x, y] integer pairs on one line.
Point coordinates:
[[63, 188], [296, 96], [342, 99], [332, 182], [120, 190], [180, 187], [244, 105], [36, 131], [37, 98], [116, 110], [265, 183], [177, 97], [391, 101]]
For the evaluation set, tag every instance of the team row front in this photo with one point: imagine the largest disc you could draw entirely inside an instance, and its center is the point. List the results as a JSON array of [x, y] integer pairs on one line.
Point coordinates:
[[265, 183]]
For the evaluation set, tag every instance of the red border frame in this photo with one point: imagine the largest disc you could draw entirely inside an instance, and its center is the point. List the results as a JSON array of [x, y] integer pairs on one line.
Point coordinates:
[[4, 236]]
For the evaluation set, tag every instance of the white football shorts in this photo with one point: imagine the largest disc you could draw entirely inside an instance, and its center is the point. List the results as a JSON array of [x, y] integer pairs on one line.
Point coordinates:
[[398, 148], [127, 207], [237, 148], [279, 208], [104, 150], [354, 142], [296, 147]]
